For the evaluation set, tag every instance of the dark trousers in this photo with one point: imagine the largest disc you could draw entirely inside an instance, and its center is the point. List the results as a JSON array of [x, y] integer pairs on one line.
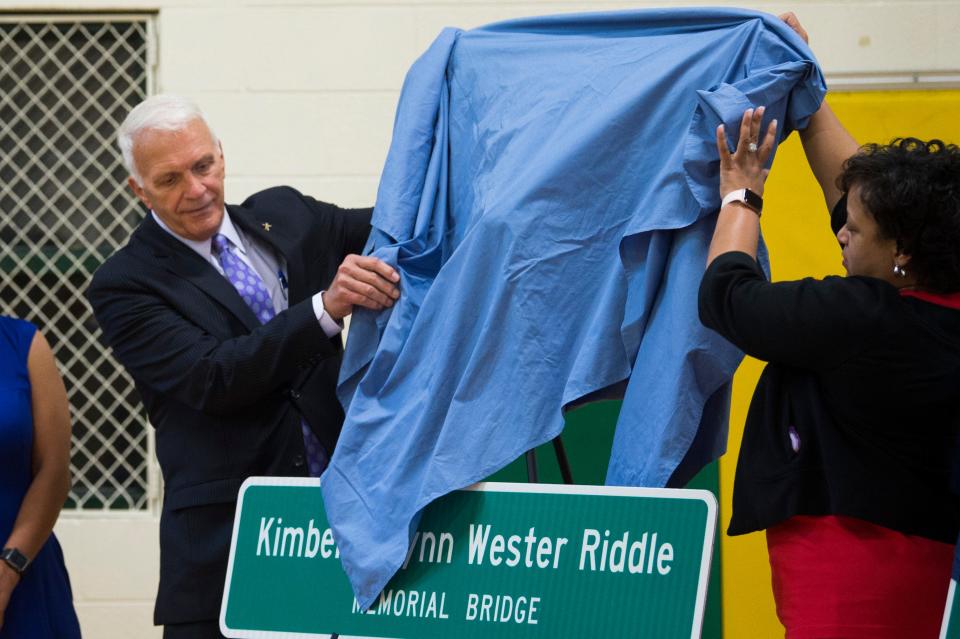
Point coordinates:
[[198, 630]]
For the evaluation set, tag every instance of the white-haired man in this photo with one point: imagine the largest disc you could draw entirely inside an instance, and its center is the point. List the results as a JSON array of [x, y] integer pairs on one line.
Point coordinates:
[[227, 318]]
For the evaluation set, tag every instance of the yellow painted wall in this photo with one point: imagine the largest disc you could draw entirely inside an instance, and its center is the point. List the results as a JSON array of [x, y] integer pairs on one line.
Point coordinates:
[[796, 228]]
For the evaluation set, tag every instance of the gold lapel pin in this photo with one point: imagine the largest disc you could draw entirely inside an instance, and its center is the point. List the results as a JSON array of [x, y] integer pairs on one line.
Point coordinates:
[[267, 226]]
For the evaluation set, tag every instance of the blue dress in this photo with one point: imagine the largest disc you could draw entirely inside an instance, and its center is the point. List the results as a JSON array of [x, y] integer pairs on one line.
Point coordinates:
[[41, 605]]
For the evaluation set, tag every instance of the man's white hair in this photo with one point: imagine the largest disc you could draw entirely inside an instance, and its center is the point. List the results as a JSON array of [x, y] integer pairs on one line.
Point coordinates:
[[164, 112]]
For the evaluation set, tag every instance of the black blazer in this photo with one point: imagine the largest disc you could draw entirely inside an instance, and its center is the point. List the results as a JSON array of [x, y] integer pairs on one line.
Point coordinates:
[[857, 412], [225, 393]]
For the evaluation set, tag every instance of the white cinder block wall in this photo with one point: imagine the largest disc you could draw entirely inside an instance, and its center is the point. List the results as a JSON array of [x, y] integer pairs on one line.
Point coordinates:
[[303, 92]]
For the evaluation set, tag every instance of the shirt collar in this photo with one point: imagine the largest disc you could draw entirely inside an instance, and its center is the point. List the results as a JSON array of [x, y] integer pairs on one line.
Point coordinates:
[[202, 247], [950, 300]]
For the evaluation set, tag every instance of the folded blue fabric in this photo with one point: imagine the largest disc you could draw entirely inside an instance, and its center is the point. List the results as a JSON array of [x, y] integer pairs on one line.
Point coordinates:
[[548, 200]]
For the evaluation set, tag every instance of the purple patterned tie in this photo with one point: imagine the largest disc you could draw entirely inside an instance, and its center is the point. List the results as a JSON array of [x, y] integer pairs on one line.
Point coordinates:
[[251, 288]]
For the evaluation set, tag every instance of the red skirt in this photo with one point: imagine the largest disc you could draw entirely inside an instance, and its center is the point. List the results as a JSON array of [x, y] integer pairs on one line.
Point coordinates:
[[843, 578]]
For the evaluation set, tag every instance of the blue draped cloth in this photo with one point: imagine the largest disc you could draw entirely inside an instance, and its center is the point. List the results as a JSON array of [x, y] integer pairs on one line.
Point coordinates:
[[548, 199]]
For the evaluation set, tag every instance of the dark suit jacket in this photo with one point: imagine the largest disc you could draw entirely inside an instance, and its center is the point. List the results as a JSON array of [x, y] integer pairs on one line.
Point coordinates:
[[225, 393]]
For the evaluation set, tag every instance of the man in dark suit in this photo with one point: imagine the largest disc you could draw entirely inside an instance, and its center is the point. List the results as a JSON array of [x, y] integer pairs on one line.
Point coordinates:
[[228, 320]]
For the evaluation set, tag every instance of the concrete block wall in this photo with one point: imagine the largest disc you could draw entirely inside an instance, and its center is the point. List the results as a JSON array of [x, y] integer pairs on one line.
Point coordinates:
[[114, 563], [303, 92]]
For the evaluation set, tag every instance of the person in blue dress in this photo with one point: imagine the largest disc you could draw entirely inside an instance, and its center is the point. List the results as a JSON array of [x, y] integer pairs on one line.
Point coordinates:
[[35, 597]]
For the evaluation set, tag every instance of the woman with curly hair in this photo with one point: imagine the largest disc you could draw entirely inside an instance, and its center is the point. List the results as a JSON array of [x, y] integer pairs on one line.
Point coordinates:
[[852, 430]]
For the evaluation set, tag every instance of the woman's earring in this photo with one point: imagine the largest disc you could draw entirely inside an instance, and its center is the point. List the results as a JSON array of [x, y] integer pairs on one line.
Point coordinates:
[[898, 270]]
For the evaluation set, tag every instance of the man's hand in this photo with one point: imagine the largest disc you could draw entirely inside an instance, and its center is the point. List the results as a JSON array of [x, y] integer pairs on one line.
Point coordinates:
[[361, 281], [9, 578]]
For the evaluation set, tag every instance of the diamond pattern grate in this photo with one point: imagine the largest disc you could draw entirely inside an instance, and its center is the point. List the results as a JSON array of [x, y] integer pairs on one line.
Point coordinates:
[[66, 83]]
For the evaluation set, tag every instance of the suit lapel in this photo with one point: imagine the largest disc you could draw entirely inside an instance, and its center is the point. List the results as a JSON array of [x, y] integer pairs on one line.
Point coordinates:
[[180, 260], [269, 227]]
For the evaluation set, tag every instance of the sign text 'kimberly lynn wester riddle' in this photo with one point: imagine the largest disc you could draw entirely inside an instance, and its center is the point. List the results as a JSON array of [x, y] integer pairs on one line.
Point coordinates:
[[499, 560]]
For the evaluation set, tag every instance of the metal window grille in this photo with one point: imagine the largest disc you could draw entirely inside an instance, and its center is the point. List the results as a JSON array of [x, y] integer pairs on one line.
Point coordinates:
[[66, 82]]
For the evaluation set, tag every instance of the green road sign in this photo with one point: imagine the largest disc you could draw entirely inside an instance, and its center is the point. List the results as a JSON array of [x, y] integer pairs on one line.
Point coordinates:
[[495, 560]]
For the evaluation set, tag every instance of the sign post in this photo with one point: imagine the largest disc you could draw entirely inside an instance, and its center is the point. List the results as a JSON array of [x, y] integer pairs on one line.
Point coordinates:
[[495, 560]]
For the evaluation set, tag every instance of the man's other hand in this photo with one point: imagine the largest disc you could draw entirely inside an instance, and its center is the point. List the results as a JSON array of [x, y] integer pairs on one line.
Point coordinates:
[[361, 281]]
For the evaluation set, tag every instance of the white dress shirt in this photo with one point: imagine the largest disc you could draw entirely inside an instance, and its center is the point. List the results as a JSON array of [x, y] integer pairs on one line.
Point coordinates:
[[269, 266]]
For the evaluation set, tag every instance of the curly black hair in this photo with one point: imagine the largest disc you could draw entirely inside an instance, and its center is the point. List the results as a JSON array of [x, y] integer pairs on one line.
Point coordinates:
[[912, 190]]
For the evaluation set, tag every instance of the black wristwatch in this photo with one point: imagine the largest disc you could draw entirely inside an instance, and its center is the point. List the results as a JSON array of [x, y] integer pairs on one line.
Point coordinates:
[[15, 559]]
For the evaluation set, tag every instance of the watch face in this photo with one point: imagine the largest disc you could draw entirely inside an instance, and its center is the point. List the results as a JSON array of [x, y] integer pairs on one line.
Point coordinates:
[[15, 559], [752, 200]]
